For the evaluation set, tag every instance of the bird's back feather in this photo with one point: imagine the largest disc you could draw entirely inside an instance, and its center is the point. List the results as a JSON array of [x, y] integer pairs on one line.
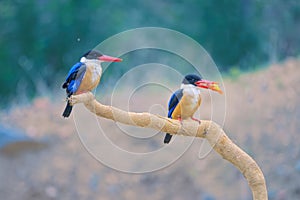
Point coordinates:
[[174, 100], [73, 70], [74, 78]]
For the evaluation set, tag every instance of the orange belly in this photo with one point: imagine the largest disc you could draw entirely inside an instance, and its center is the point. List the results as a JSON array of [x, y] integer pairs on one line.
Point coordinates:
[[89, 81], [186, 108]]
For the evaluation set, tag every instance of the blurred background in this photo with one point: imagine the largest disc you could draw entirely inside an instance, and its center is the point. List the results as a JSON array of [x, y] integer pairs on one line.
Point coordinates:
[[254, 43]]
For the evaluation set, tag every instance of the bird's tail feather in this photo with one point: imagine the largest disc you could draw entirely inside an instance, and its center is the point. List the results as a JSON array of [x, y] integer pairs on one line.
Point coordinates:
[[67, 110], [167, 138]]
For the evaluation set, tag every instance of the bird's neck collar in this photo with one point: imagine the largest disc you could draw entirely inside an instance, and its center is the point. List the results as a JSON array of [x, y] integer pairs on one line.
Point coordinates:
[[190, 89], [85, 60], [188, 86]]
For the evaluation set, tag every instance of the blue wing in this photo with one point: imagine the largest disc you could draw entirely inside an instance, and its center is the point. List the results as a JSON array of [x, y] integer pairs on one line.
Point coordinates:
[[74, 78], [74, 69], [174, 100]]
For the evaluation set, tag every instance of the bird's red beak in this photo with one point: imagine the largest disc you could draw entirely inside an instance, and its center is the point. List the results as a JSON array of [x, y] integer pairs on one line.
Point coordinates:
[[209, 85], [109, 59]]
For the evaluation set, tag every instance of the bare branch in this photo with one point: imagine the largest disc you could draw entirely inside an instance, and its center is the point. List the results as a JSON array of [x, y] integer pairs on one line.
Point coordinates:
[[206, 129]]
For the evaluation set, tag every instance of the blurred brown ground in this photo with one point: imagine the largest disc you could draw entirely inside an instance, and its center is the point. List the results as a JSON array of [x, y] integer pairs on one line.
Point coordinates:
[[262, 117]]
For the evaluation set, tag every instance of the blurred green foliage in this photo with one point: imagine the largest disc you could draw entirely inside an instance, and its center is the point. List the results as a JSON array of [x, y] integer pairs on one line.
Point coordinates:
[[41, 39]]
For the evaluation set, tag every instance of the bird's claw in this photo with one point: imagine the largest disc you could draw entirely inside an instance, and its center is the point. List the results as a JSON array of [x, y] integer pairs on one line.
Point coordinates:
[[197, 120], [180, 120], [72, 100]]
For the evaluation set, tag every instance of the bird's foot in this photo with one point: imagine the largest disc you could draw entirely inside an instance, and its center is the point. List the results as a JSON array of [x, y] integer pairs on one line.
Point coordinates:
[[72, 100], [82, 91], [81, 98], [180, 120], [197, 120]]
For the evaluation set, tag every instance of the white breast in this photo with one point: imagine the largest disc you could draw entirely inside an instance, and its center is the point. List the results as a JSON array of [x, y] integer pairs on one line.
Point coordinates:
[[96, 69], [190, 100], [96, 72], [193, 94]]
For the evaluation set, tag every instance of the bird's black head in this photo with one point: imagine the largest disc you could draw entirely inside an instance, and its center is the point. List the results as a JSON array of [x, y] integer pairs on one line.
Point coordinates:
[[191, 79], [92, 54]]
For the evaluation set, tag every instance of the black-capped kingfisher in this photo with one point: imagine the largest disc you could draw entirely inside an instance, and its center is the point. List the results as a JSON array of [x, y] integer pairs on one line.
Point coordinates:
[[85, 75], [185, 101]]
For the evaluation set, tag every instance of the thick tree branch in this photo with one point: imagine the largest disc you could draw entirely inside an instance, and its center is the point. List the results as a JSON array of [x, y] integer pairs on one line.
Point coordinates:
[[206, 129]]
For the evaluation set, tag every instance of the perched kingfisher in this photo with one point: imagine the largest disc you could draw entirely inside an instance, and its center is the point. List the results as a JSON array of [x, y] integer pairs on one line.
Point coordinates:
[[85, 75], [185, 101]]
